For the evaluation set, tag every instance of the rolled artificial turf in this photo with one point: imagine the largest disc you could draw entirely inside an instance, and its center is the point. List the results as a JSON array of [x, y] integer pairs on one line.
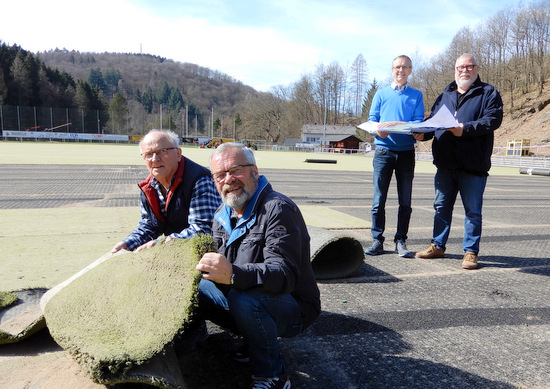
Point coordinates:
[[122, 313]]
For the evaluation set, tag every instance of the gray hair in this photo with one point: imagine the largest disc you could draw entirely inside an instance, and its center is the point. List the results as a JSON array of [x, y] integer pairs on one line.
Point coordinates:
[[405, 57], [245, 151], [171, 135], [468, 55]]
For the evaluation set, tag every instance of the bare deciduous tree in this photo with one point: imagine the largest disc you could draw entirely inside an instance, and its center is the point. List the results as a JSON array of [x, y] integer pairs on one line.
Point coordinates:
[[358, 80]]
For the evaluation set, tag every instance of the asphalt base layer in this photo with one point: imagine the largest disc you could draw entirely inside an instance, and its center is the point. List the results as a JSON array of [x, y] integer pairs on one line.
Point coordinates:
[[397, 322]]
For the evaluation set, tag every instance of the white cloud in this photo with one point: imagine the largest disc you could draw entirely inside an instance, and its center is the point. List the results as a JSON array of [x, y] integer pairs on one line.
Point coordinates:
[[259, 43]]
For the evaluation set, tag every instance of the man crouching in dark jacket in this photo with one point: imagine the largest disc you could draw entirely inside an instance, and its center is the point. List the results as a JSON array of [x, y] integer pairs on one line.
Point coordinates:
[[260, 283], [463, 157]]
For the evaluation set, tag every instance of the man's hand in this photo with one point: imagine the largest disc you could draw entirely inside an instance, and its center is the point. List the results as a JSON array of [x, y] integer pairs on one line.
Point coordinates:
[[381, 126], [418, 135], [215, 267], [389, 124], [381, 134], [457, 131], [147, 245], [119, 246]]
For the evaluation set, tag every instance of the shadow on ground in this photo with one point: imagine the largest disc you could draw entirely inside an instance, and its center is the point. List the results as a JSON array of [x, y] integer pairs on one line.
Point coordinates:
[[338, 351]]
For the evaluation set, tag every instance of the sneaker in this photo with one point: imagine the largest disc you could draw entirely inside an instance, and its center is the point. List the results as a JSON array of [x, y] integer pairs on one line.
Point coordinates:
[[240, 354], [469, 261], [376, 248], [431, 252], [401, 249], [270, 383]]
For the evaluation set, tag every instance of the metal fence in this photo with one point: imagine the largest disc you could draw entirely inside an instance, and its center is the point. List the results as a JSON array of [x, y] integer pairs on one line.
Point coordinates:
[[19, 118]]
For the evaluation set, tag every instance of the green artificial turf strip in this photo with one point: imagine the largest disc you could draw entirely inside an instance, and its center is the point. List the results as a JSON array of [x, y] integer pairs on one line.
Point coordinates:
[[126, 310], [128, 154], [7, 299], [50, 245]]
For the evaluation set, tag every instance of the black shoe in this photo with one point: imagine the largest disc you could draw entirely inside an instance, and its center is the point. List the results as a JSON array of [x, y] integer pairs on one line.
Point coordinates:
[[376, 248]]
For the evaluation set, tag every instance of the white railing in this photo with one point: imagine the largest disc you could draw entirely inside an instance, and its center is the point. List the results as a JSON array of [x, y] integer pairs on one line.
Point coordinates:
[[503, 160], [528, 161]]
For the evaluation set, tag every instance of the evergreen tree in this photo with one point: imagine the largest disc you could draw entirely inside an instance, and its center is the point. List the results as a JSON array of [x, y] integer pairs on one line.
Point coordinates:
[[137, 95], [96, 80], [147, 100], [374, 86], [88, 98], [32, 65], [118, 113], [175, 102], [3, 87], [21, 84], [163, 93], [112, 77]]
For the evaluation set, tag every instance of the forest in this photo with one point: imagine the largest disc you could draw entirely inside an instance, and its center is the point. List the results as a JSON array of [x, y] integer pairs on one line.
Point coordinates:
[[131, 93]]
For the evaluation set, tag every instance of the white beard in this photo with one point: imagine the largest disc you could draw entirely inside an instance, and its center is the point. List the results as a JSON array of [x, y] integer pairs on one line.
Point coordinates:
[[236, 201], [465, 84]]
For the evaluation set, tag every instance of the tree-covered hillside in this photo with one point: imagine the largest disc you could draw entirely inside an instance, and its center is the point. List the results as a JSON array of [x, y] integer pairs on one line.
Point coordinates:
[[137, 91], [153, 81]]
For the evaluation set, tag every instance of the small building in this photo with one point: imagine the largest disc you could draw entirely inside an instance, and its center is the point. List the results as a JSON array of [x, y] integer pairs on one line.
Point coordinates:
[[312, 133], [518, 147], [292, 141], [341, 142]]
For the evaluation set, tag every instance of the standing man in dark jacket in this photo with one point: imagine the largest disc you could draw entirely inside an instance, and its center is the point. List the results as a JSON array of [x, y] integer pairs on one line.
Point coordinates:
[[178, 198], [463, 157], [260, 283]]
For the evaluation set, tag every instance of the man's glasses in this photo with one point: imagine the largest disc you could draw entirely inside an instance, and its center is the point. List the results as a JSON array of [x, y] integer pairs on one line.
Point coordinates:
[[161, 153], [465, 67], [402, 67], [235, 171]]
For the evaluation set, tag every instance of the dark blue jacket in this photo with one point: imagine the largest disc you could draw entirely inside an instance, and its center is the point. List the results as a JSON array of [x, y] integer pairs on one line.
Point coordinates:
[[269, 249], [480, 110]]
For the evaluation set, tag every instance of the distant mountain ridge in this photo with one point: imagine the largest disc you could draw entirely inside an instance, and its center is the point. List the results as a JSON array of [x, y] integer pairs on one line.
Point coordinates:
[[202, 87]]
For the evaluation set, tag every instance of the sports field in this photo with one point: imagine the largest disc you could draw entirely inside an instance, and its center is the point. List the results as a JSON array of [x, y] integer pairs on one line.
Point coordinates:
[[62, 206], [124, 154], [44, 246]]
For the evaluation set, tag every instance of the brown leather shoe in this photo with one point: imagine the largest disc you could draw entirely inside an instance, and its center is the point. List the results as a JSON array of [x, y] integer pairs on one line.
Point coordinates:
[[470, 261], [431, 252]]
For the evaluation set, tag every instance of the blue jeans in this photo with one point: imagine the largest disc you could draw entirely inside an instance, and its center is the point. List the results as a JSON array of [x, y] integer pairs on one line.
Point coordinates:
[[259, 317], [384, 163], [448, 183]]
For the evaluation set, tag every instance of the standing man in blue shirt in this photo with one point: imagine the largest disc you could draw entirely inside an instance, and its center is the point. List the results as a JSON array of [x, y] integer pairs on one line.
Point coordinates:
[[395, 104]]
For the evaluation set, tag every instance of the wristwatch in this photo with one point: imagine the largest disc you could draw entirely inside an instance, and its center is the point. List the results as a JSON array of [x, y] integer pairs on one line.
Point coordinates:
[[232, 281]]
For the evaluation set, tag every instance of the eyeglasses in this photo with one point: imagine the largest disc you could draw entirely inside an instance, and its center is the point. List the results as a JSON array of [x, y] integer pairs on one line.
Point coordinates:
[[465, 67], [402, 67], [235, 171], [161, 153]]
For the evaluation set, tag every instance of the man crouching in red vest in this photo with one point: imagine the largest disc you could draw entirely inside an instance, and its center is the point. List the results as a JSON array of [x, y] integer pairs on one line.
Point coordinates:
[[178, 198]]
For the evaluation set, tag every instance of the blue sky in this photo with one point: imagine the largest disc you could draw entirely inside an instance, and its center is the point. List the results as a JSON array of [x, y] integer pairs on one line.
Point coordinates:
[[262, 43]]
